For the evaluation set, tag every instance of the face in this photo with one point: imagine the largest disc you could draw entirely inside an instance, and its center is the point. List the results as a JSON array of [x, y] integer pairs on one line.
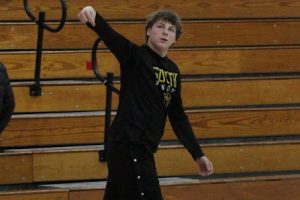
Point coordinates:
[[162, 35]]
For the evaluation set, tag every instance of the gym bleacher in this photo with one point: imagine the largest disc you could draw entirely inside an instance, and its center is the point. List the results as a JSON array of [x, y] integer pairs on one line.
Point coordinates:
[[240, 69]]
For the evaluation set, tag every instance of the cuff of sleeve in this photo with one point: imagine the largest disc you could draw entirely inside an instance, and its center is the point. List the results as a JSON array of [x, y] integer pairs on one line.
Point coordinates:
[[197, 154], [100, 24]]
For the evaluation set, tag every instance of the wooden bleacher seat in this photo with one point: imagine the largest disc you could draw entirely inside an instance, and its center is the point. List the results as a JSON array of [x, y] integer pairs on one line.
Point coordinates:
[[88, 127], [82, 162], [89, 96], [196, 62], [53, 194], [118, 10], [197, 34], [284, 187]]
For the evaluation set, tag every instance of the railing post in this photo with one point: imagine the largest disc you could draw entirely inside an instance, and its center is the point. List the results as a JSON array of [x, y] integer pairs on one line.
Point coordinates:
[[108, 107], [35, 89]]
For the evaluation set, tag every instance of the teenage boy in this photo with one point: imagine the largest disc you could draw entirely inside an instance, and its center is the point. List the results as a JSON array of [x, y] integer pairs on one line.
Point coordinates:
[[150, 91]]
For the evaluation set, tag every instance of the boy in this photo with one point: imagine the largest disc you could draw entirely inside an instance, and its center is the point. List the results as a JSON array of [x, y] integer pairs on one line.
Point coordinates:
[[150, 90]]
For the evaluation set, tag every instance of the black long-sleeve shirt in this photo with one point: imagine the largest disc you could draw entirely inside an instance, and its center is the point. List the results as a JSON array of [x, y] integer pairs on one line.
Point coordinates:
[[150, 90]]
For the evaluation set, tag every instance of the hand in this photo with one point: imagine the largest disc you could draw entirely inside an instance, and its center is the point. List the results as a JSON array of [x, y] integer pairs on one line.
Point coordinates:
[[87, 15], [205, 166]]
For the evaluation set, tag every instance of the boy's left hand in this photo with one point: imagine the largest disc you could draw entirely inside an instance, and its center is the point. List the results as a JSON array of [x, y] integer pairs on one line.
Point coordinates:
[[205, 166]]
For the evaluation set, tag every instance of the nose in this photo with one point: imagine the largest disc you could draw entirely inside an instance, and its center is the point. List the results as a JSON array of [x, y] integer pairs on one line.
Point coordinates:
[[165, 31]]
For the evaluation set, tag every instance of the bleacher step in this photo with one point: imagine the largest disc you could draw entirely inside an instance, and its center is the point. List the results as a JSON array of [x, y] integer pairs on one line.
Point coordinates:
[[79, 163]]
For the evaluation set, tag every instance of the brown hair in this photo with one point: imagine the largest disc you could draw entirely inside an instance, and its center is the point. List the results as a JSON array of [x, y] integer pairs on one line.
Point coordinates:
[[165, 15]]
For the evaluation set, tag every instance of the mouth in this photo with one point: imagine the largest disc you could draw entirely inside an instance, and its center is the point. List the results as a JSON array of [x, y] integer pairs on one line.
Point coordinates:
[[163, 40]]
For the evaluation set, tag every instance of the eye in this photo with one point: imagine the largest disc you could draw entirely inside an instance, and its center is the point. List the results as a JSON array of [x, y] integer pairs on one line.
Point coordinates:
[[172, 30], [159, 26]]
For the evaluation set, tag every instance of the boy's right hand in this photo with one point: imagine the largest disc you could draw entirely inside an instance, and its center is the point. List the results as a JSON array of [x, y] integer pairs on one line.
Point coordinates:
[[87, 15]]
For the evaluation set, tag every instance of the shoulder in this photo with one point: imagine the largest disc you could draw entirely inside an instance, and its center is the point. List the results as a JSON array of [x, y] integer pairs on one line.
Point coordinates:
[[173, 66]]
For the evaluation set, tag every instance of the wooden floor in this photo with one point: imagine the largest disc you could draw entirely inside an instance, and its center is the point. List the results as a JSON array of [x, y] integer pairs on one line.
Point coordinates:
[[278, 187], [258, 190]]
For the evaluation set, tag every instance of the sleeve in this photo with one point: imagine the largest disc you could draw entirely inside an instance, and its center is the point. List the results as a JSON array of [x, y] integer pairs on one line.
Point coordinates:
[[181, 125], [7, 98], [120, 46]]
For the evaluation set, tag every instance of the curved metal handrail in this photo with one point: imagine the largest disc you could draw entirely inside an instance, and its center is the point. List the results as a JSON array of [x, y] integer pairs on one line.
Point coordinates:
[[94, 60], [62, 21], [95, 68]]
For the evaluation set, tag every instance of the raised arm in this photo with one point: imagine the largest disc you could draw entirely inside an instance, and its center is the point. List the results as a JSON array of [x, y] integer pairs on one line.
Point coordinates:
[[120, 46]]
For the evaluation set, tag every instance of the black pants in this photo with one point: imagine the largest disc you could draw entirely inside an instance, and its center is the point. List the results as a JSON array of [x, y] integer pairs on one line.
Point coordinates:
[[131, 174]]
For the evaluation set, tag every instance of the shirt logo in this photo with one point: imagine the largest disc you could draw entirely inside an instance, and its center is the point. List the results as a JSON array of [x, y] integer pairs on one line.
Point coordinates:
[[166, 82], [165, 77], [167, 98]]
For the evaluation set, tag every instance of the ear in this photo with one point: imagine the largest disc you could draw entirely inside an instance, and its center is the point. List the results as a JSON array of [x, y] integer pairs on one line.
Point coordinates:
[[173, 43], [148, 32]]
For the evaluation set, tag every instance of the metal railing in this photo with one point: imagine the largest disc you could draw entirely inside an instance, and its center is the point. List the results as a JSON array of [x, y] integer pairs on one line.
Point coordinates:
[[35, 89], [108, 82]]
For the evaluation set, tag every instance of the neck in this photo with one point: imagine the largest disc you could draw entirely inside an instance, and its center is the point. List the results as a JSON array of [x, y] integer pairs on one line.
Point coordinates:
[[160, 52]]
